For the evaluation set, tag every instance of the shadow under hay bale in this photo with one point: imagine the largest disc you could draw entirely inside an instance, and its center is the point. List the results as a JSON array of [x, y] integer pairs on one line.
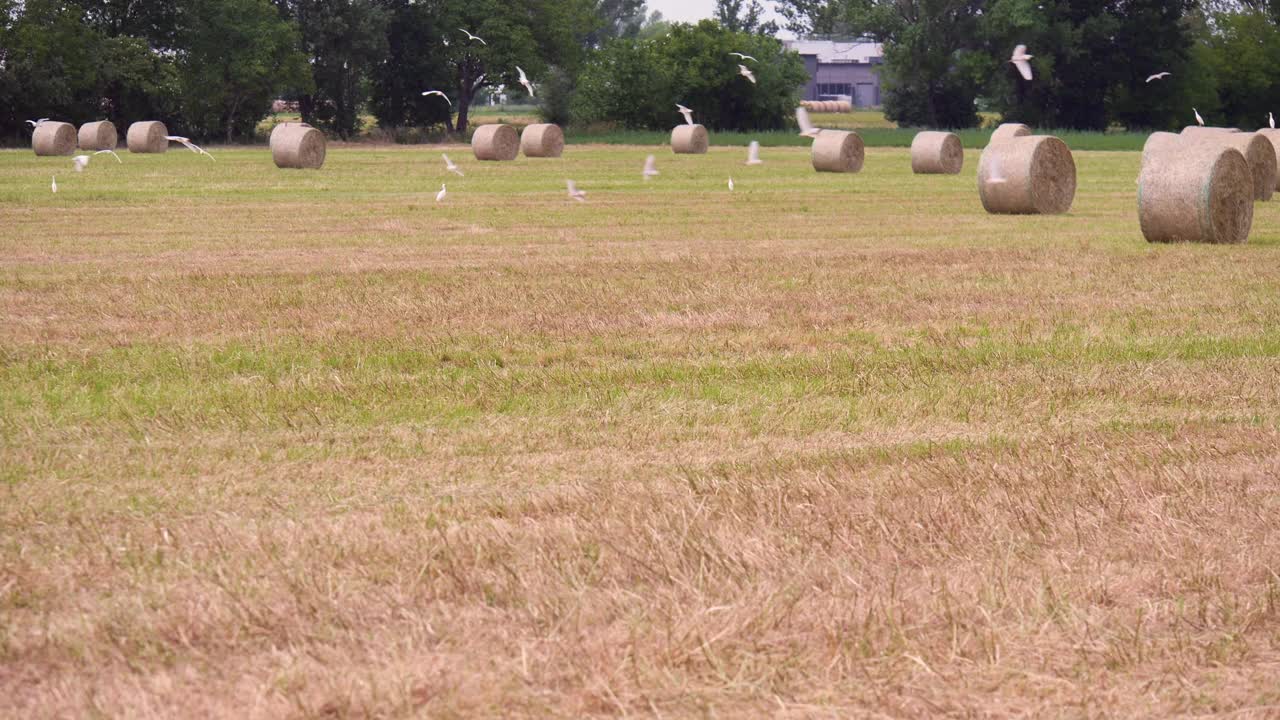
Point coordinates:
[[1026, 175], [297, 146], [838, 151], [495, 142], [53, 138], [542, 140], [1194, 192], [689, 140], [147, 136], [100, 135], [1256, 148], [936, 153]]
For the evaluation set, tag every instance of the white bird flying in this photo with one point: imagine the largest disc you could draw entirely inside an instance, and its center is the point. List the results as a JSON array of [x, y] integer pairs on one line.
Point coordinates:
[[34, 123], [745, 72], [650, 167], [740, 56], [80, 162], [473, 37], [450, 165], [1019, 60], [188, 144], [686, 112], [574, 192], [524, 80], [1199, 120], [440, 195], [1158, 76], [437, 92], [112, 153], [730, 184], [807, 128], [753, 153]]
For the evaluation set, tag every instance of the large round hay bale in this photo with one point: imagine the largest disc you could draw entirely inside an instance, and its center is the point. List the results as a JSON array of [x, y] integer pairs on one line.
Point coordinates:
[[1204, 130], [1274, 136], [936, 153], [100, 135], [1006, 131], [838, 151], [689, 140], [147, 136], [1195, 192], [1027, 175], [297, 146], [495, 142], [844, 106], [1258, 152], [542, 140], [54, 138]]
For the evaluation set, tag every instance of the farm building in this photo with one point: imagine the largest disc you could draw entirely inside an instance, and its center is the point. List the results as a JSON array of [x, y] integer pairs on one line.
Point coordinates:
[[841, 69]]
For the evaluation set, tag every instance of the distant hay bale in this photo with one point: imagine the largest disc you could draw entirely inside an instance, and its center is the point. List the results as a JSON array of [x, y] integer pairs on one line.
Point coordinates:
[[54, 138], [297, 146], [147, 136], [1274, 137], [1008, 130], [1257, 150], [542, 140], [100, 135], [844, 106], [936, 153], [689, 140], [1027, 175], [495, 142], [838, 151], [1194, 192]]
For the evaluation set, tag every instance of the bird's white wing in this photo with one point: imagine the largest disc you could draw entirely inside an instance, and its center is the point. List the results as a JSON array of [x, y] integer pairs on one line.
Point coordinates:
[[112, 153], [806, 125], [523, 78], [745, 72], [1024, 68], [80, 162], [1199, 120], [1019, 51]]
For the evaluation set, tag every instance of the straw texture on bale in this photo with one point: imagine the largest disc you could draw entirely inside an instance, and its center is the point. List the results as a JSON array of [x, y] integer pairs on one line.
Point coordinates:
[[1202, 130], [54, 138], [1008, 130], [844, 106], [297, 146], [100, 135], [542, 140], [495, 142], [1274, 137], [1194, 192], [689, 140], [936, 153], [147, 136], [1039, 176], [1258, 152], [838, 151]]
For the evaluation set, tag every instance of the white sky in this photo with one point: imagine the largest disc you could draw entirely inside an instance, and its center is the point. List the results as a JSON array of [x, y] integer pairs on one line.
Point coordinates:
[[694, 10]]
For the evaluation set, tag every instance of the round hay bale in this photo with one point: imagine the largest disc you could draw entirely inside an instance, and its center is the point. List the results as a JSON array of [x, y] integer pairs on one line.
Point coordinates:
[[297, 146], [936, 153], [54, 138], [1008, 130], [542, 141], [844, 106], [1201, 131], [147, 136], [1027, 175], [100, 135], [1195, 192], [1274, 137], [1258, 152], [495, 142], [689, 140], [1160, 142], [838, 151], [829, 106]]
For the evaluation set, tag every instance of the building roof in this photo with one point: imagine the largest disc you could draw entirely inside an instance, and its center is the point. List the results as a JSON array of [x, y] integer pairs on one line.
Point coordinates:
[[860, 50]]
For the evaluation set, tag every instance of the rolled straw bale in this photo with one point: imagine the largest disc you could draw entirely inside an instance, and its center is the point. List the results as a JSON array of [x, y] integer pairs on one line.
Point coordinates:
[[1160, 142], [1274, 136], [1195, 192], [495, 142], [838, 151], [147, 136], [542, 140], [829, 106], [1203, 130], [844, 106], [1008, 130], [1039, 176], [1258, 152], [689, 140], [100, 135], [936, 153], [297, 146], [54, 138]]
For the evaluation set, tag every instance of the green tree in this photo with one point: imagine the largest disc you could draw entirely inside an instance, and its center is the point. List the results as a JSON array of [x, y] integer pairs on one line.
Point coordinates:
[[1243, 55], [414, 62], [617, 19], [744, 16]]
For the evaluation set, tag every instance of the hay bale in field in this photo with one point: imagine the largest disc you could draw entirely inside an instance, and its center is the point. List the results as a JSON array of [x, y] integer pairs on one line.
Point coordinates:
[[1194, 192], [936, 153], [1274, 136], [1006, 131], [1258, 152], [689, 140], [838, 151], [1027, 175], [495, 142], [542, 140], [54, 138], [100, 135], [147, 136], [297, 146], [1203, 130], [844, 106]]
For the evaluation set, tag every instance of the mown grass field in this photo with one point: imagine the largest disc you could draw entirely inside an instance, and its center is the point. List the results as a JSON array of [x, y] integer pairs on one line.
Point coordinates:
[[305, 444]]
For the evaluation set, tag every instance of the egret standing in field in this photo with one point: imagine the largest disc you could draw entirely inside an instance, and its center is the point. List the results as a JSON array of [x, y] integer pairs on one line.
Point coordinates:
[[574, 192], [731, 184], [437, 92], [650, 167], [1159, 76], [753, 153], [443, 192], [686, 112], [1272, 120], [745, 72], [1020, 60], [451, 166], [807, 128], [55, 183], [524, 80]]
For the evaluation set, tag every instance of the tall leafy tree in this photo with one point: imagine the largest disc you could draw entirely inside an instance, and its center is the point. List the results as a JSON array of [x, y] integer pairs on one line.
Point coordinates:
[[414, 62], [617, 19], [744, 16], [1244, 54]]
